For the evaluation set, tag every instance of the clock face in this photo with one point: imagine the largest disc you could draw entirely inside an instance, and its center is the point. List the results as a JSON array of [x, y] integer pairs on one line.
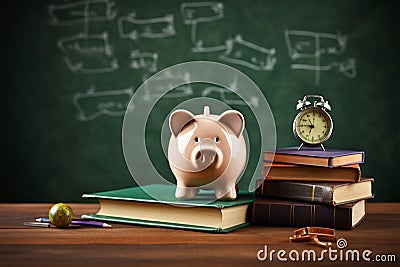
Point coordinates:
[[312, 126]]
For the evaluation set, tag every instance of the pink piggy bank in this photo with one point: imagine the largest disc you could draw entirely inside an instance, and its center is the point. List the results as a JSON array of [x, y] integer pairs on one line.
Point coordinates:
[[206, 152]]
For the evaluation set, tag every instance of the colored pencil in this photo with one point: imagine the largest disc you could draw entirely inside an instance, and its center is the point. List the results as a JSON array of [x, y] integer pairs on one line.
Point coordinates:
[[79, 222], [37, 224]]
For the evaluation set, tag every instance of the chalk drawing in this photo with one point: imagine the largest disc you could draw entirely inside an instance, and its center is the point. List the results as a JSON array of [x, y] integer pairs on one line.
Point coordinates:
[[144, 60], [91, 53], [92, 104], [202, 12], [81, 12], [224, 95], [236, 50], [85, 52], [247, 54], [305, 45], [228, 95], [129, 27], [156, 87]]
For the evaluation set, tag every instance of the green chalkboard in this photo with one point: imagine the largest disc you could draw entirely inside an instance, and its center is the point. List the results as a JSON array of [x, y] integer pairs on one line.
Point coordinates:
[[69, 68]]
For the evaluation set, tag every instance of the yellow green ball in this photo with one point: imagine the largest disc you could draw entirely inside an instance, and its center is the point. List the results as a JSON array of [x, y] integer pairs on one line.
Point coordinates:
[[61, 215]]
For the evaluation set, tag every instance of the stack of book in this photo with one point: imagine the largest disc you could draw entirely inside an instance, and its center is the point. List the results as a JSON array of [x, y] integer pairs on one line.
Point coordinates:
[[302, 188], [311, 187]]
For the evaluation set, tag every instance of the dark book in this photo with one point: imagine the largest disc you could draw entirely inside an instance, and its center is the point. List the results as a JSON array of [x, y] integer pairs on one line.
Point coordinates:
[[315, 156], [291, 172], [316, 192], [134, 206], [297, 214]]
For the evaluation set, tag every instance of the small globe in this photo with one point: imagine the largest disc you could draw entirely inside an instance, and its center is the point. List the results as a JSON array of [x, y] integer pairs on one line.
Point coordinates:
[[60, 215]]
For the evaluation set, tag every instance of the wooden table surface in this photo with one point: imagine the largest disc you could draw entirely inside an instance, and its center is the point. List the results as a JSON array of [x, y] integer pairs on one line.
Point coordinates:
[[128, 245]]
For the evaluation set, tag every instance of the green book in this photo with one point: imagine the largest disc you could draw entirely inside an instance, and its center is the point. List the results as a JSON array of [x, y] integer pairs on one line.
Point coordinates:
[[134, 206]]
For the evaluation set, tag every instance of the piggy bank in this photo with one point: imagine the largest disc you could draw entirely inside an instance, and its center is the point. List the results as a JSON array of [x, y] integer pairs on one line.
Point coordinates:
[[206, 152]]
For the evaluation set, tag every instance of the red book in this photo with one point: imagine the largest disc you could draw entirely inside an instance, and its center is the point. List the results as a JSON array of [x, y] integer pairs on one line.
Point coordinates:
[[291, 172], [315, 156]]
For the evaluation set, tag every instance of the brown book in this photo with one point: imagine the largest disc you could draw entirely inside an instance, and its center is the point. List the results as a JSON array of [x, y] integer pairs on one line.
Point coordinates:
[[315, 157], [326, 193], [297, 214], [291, 172]]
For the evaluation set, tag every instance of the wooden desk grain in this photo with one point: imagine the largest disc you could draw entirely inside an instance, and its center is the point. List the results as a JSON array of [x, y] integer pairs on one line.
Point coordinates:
[[127, 245]]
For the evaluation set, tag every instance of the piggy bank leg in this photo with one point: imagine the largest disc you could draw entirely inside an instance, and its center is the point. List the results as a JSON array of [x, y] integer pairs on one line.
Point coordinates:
[[186, 192], [228, 193]]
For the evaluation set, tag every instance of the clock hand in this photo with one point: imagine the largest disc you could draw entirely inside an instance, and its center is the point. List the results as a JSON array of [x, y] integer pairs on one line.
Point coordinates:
[[311, 124]]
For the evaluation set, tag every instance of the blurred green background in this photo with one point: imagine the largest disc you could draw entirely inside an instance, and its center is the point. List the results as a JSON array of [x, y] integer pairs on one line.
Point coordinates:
[[69, 68]]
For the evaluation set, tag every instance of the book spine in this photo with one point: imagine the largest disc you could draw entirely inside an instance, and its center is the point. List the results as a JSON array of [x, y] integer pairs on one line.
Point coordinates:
[[295, 191], [301, 215], [353, 176]]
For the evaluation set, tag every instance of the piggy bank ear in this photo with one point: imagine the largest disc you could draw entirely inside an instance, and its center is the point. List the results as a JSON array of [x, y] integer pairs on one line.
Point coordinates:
[[178, 119], [234, 120]]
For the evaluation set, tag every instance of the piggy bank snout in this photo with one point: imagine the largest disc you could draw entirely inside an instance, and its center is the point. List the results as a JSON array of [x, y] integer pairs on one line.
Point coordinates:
[[206, 151]]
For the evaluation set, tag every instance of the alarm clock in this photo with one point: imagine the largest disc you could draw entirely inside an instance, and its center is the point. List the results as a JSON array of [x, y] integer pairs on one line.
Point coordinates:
[[312, 126]]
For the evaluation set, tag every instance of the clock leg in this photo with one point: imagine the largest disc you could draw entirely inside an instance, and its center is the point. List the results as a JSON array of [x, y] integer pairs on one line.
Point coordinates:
[[302, 144]]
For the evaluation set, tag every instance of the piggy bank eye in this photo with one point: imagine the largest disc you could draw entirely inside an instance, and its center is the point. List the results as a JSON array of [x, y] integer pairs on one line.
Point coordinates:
[[196, 139], [217, 139]]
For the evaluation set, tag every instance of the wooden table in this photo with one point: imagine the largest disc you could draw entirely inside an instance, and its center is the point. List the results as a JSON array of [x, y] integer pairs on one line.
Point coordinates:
[[127, 245]]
